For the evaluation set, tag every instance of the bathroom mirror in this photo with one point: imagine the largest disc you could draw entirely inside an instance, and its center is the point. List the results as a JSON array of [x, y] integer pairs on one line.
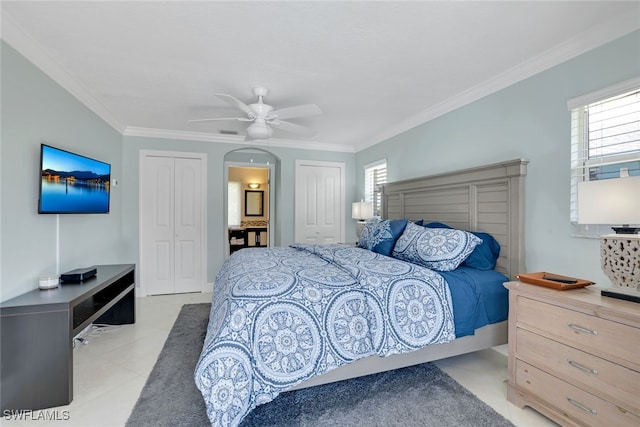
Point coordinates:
[[253, 203]]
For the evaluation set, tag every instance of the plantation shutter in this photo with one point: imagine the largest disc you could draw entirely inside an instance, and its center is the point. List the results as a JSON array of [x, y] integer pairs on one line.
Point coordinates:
[[375, 174], [605, 141], [234, 193]]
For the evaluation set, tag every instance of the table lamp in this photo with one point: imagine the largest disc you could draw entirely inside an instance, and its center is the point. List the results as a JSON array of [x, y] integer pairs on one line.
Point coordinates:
[[615, 201], [361, 211]]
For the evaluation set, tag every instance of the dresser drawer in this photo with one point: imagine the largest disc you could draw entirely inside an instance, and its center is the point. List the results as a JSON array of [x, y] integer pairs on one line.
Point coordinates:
[[616, 341], [572, 402], [601, 377]]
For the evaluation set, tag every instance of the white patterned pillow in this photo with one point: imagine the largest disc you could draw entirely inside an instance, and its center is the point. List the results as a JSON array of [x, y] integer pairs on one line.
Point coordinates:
[[442, 249], [380, 235]]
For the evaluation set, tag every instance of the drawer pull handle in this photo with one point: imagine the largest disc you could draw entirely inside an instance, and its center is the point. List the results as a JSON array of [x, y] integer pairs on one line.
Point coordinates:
[[581, 329], [581, 406], [582, 368]]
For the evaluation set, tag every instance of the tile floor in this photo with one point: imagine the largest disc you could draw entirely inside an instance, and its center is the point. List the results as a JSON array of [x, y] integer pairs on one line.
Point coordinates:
[[110, 371]]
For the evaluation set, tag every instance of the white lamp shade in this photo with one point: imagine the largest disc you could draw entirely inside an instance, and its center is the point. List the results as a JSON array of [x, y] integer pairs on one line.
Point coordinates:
[[609, 201], [361, 210]]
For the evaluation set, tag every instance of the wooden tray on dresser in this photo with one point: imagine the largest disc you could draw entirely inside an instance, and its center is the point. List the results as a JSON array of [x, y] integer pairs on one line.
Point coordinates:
[[560, 283]]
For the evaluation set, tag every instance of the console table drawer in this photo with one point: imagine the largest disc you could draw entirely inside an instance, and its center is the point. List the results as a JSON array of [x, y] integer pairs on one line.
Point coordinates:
[[571, 401], [599, 376], [590, 333]]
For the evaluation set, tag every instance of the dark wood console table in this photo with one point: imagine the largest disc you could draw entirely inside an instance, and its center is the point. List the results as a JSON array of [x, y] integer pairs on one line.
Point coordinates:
[[38, 328]]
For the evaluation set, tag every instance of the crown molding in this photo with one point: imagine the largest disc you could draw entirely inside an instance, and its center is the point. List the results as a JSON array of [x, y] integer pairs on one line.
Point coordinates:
[[233, 139], [15, 36], [577, 45]]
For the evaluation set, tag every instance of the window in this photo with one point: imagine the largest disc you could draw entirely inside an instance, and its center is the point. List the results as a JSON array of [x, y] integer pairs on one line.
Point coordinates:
[[234, 193], [605, 141], [375, 174]]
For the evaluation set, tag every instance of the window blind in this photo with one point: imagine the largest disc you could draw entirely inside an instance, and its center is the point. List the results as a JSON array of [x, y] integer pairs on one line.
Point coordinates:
[[234, 194], [375, 175], [605, 143]]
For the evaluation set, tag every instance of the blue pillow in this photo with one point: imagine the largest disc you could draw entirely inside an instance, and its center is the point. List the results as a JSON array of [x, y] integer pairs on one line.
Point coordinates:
[[484, 256], [442, 249], [380, 236], [437, 225]]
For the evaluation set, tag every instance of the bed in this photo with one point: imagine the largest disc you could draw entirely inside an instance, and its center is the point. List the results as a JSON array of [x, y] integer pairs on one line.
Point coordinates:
[[292, 317]]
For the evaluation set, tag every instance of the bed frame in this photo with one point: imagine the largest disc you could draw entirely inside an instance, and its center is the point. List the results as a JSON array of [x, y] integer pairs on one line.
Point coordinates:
[[487, 198]]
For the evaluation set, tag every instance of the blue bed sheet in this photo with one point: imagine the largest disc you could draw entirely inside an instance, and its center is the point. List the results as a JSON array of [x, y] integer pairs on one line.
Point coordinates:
[[478, 298]]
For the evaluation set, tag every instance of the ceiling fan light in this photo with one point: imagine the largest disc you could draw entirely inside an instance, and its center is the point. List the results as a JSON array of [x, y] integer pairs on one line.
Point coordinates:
[[264, 116], [259, 131]]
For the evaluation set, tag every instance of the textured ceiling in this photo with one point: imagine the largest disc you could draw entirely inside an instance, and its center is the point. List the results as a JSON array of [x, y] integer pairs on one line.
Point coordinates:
[[374, 68]]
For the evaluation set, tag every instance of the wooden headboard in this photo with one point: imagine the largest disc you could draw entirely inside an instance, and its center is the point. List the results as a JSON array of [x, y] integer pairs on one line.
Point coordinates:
[[487, 198]]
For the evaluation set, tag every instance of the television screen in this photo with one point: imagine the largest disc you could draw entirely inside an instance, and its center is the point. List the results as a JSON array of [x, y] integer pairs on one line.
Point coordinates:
[[71, 183]]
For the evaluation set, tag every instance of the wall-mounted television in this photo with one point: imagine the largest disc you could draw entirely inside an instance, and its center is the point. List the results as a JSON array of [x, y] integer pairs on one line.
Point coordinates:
[[71, 183]]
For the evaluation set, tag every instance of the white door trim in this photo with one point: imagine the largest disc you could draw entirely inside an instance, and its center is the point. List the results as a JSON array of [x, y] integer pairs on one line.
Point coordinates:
[[142, 290], [320, 163]]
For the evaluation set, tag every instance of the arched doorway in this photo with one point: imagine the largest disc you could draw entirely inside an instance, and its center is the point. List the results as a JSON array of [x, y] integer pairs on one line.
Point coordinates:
[[251, 177]]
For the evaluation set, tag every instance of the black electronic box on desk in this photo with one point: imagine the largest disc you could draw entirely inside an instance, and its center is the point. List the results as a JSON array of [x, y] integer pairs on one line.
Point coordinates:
[[78, 275]]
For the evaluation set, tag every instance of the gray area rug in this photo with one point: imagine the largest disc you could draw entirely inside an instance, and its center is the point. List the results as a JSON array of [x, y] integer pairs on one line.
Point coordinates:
[[420, 395]]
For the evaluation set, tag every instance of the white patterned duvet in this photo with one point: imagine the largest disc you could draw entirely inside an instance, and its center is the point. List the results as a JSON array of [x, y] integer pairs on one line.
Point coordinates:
[[282, 315]]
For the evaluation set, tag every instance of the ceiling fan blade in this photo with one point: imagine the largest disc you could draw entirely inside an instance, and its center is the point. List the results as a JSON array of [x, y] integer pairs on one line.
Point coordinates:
[[298, 111], [241, 119], [292, 127], [236, 103]]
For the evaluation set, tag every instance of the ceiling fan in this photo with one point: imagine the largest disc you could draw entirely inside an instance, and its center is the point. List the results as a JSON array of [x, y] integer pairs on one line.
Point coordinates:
[[264, 116]]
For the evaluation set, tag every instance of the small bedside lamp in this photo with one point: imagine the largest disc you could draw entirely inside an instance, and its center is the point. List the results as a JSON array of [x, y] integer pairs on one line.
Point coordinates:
[[361, 211], [615, 201]]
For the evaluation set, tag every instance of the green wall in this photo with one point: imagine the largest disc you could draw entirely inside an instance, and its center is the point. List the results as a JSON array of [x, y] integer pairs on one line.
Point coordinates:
[[527, 120], [34, 110]]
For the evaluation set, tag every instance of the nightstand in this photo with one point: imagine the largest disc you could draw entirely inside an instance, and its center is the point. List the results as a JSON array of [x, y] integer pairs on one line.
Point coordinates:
[[574, 355]]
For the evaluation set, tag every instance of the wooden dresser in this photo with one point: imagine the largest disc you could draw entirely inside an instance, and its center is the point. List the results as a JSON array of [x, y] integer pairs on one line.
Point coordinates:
[[574, 355]]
